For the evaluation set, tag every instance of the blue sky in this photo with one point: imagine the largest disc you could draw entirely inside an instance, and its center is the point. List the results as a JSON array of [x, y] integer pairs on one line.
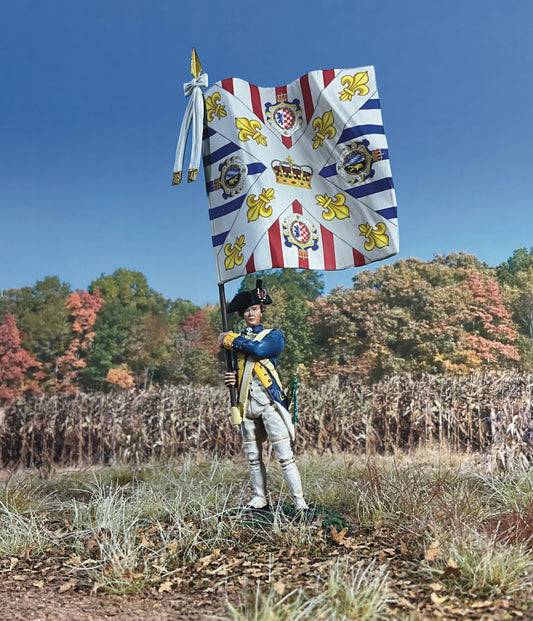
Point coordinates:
[[91, 100]]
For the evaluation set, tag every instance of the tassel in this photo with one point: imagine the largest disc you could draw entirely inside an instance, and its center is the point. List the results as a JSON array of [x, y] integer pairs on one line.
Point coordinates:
[[195, 114]]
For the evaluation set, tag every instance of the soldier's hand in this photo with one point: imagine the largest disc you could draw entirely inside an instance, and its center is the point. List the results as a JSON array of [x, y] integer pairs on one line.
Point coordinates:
[[221, 338], [229, 378]]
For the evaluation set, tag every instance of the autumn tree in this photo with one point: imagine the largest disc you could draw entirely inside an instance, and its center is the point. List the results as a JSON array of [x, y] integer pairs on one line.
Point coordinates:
[[15, 362], [150, 349], [120, 377], [414, 316], [486, 322], [197, 348], [84, 308]]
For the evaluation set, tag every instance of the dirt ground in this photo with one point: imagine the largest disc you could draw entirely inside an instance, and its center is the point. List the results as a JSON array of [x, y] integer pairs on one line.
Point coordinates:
[[20, 601]]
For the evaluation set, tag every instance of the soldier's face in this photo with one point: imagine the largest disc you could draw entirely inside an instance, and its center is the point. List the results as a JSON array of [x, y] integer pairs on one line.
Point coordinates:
[[252, 315]]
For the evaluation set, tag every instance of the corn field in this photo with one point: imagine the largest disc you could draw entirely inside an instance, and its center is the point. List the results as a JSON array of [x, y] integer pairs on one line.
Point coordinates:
[[488, 414]]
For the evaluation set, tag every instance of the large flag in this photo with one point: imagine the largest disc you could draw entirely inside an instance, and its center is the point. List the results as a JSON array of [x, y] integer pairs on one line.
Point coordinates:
[[298, 175]]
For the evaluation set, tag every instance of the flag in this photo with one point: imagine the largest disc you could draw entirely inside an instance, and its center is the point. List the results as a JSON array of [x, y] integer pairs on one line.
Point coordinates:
[[298, 175]]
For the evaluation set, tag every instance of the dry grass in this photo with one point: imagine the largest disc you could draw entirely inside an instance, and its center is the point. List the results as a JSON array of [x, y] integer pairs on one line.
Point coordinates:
[[429, 537], [488, 414]]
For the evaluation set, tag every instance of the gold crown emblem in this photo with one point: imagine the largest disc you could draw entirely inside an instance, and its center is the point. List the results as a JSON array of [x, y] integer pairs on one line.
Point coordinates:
[[289, 173]]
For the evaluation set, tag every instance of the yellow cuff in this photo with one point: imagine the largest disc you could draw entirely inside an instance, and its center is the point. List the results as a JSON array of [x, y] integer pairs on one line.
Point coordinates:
[[228, 340]]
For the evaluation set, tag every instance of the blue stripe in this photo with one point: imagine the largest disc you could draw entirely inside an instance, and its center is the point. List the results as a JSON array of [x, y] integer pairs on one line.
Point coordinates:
[[255, 168], [220, 154], [329, 171], [208, 132], [371, 188], [360, 130], [389, 213], [223, 210], [371, 104], [219, 239]]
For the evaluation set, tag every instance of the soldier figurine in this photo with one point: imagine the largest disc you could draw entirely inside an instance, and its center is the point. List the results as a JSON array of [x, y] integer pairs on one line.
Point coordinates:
[[260, 396]]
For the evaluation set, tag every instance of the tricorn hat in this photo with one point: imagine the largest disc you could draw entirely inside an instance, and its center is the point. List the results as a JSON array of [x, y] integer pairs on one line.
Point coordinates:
[[245, 299]]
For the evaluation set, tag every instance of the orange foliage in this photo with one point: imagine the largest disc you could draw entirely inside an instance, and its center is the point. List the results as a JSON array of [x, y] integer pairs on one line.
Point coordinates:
[[14, 363], [84, 307], [120, 377]]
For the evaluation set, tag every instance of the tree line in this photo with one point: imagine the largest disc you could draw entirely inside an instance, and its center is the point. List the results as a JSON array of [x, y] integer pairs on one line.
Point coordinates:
[[453, 314]]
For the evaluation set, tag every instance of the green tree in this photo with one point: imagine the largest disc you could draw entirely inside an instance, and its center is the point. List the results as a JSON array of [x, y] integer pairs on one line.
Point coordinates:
[[129, 301], [521, 261], [517, 278], [43, 317]]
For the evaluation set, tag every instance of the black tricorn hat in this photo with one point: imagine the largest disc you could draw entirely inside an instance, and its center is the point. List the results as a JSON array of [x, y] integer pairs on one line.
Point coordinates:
[[245, 299]]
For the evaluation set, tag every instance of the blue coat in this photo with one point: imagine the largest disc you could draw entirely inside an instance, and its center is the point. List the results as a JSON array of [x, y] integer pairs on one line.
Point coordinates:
[[269, 347]]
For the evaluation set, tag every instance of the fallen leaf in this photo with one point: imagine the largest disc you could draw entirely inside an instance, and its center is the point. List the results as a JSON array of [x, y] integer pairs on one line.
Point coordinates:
[[39, 584], [432, 552], [405, 603], [338, 537], [13, 563], [67, 586], [451, 562], [279, 587], [438, 600], [165, 587], [206, 560]]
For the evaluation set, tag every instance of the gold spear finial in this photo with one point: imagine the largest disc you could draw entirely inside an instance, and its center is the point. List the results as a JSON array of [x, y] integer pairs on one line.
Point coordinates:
[[196, 67]]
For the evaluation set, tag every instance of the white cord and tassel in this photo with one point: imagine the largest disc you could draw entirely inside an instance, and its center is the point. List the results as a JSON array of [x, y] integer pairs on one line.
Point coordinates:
[[194, 113]]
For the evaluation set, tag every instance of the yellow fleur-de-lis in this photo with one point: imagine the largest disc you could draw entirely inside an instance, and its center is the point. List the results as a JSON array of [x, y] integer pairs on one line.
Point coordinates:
[[214, 108], [234, 253], [258, 205], [250, 129], [324, 128], [376, 237], [354, 84], [333, 207]]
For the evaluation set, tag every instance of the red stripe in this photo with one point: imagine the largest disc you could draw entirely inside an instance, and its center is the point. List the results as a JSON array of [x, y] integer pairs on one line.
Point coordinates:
[[256, 102], [303, 260], [303, 256], [328, 248], [328, 75], [281, 95], [309, 106], [358, 258], [227, 85], [287, 141], [250, 266], [276, 250]]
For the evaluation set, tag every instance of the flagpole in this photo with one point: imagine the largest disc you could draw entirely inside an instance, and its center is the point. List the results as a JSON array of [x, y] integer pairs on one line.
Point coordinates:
[[235, 413]]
